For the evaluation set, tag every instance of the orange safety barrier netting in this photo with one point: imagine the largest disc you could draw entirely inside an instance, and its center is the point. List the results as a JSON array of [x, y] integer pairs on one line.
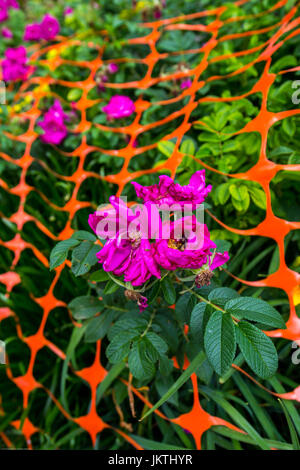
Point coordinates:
[[197, 421]]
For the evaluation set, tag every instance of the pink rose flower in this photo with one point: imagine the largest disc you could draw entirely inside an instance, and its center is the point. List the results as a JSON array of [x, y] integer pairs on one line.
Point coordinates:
[[53, 125], [7, 33], [112, 68], [125, 252], [124, 257], [14, 65], [175, 253], [169, 192], [49, 27], [68, 11], [3, 13], [10, 4], [118, 107], [186, 83], [33, 32]]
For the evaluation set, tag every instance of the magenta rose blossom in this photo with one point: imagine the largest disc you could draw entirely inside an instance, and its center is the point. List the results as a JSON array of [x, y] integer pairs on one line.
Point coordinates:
[[117, 218], [112, 68], [14, 66], [130, 258], [68, 11], [118, 107], [5, 5], [193, 250], [7, 33], [53, 125], [10, 4], [172, 253], [49, 27], [125, 252], [169, 192], [33, 32], [3, 13], [186, 83]]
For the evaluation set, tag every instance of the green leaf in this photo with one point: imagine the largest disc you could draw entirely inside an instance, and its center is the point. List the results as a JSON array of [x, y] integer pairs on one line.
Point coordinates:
[[139, 363], [83, 235], [98, 327], [258, 350], [157, 343], [221, 295], [148, 444], [138, 325], [74, 94], [238, 418], [293, 432], [196, 362], [84, 257], [168, 291], [99, 276], [60, 252], [76, 336], [119, 347], [110, 287], [222, 193], [223, 245], [85, 306], [258, 196], [220, 342], [188, 147], [240, 197], [166, 147], [255, 310], [165, 365], [196, 321]]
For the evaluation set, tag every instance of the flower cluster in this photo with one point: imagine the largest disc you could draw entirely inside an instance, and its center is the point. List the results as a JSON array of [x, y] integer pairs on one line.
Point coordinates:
[[5, 6], [53, 124], [47, 29], [102, 75], [128, 253], [119, 106], [14, 66]]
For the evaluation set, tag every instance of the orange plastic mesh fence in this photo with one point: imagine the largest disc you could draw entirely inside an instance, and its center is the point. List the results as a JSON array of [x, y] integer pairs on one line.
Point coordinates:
[[197, 421]]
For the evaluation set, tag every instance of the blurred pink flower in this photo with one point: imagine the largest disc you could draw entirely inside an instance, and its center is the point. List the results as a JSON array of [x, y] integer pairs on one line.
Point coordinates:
[[49, 27], [112, 68], [186, 83], [10, 4], [68, 11], [3, 13], [53, 125], [32, 32], [7, 33], [14, 66], [118, 107]]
